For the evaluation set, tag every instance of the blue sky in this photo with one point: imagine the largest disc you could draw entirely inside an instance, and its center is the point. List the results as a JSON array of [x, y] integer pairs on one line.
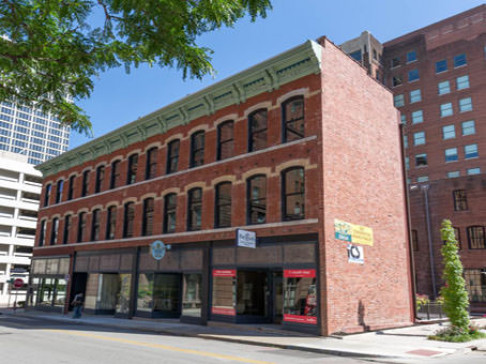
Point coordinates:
[[119, 98]]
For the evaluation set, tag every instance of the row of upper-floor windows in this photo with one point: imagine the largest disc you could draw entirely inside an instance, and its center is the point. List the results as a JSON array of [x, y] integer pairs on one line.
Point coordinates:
[[292, 203], [452, 174], [450, 155], [442, 65], [293, 128], [476, 238], [448, 132]]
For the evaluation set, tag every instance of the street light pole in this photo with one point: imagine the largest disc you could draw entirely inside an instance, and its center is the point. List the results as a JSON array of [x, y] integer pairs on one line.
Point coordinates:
[[425, 189]]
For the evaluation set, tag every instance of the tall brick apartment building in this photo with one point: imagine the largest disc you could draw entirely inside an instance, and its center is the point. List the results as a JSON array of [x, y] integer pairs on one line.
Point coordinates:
[[438, 77], [302, 150]]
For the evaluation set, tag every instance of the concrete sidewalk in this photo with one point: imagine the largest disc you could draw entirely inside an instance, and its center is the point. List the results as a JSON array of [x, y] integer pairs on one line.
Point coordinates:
[[406, 345]]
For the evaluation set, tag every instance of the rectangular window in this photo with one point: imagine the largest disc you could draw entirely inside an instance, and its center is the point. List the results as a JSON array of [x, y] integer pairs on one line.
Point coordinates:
[[67, 229], [132, 169], [115, 174], [111, 223], [460, 60], [395, 62], [444, 87], [81, 226], [71, 188], [148, 217], [197, 149], [129, 217], [415, 245], [473, 171], [47, 194], [95, 225], [399, 100], [476, 237], [419, 138], [173, 156], [194, 214], [85, 186], [411, 56], [422, 179], [417, 117], [100, 178], [42, 234], [257, 123], [471, 151], [415, 96], [356, 55], [441, 66], [54, 230], [257, 200], [407, 163], [465, 104], [170, 207], [476, 284], [446, 110], [413, 75], [293, 124], [60, 187], [448, 132], [223, 205], [151, 163], [225, 140], [403, 118], [460, 200], [468, 128], [421, 160], [451, 155], [405, 141], [397, 80], [453, 174], [462, 82], [293, 196]]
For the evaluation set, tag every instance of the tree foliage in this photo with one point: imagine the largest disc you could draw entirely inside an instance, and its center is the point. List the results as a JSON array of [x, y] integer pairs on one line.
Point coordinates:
[[454, 292], [53, 48]]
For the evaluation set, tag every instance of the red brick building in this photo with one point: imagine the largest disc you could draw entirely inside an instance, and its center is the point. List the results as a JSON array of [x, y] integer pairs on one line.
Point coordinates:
[[296, 150]]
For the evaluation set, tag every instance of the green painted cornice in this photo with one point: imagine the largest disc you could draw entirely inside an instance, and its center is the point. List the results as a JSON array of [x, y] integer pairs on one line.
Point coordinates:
[[267, 76]]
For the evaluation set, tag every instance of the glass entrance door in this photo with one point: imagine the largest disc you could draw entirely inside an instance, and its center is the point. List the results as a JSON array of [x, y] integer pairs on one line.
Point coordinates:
[[252, 294]]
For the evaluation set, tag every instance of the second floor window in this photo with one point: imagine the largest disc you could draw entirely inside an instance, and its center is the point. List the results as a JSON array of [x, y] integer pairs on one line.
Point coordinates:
[[293, 119], [129, 217], [67, 229], [85, 186], [194, 207], [54, 230], [257, 134], [47, 194], [60, 186], [115, 174], [197, 149], [223, 205], [173, 156], [81, 226], [111, 223], [100, 178], [148, 217], [293, 190], [72, 180], [257, 200], [170, 207], [151, 164], [95, 225], [225, 140], [460, 200], [132, 169], [476, 237]]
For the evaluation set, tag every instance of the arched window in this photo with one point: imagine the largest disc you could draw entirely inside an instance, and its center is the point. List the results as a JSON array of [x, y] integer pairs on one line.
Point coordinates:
[[194, 209], [197, 149], [60, 186], [170, 207], [476, 237], [151, 164], [81, 226], [173, 156], [95, 225], [111, 223], [85, 186], [293, 124], [129, 217], [67, 229], [223, 205], [225, 140], [115, 174], [72, 180], [148, 217], [256, 199], [293, 194], [100, 178], [132, 169], [47, 194], [54, 230], [42, 234], [257, 133]]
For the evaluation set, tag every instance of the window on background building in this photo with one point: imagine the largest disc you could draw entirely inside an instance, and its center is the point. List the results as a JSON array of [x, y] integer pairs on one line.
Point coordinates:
[[223, 205], [444, 87], [356, 55], [67, 229], [95, 225], [451, 155], [100, 179], [59, 189], [115, 174], [47, 194], [399, 100], [42, 234], [446, 110], [395, 62], [471, 151], [460, 200], [407, 163], [457, 236], [468, 128], [460, 60], [170, 208], [173, 156], [293, 194], [194, 207], [403, 118], [448, 132], [151, 163], [419, 138], [411, 56], [476, 236], [257, 123], [148, 217], [226, 141], [441, 66], [465, 104], [375, 54], [81, 226], [413, 75], [462, 82], [72, 180], [417, 117], [421, 160], [476, 284], [111, 222], [405, 141], [422, 179], [415, 245], [293, 119], [415, 96], [473, 171], [85, 186], [453, 174], [397, 80], [54, 230], [256, 199], [132, 169], [128, 219], [197, 149]]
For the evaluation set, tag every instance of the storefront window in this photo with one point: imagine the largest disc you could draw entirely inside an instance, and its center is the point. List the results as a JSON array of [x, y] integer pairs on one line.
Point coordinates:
[[224, 292], [46, 291], [145, 292], [191, 298], [300, 299], [60, 292], [123, 299], [167, 293]]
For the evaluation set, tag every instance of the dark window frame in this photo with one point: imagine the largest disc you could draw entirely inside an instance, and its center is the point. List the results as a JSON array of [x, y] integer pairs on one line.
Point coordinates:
[[128, 220], [460, 200], [196, 162], [85, 186], [54, 231], [67, 229], [47, 194], [81, 226], [222, 143], [193, 207], [252, 133], [286, 216], [59, 190], [460, 60], [95, 225], [285, 122], [170, 209], [148, 216], [173, 149], [72, 180], [100, 178], [111, 213], [42, 233], [470, 236], [151, 163], [132, 169], [115, 174], [415, 241], [254, 204], [441, 66], [220, 205]]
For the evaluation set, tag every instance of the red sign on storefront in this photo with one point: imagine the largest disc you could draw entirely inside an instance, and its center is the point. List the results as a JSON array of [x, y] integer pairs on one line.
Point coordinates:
[[299, 273], [224, 272], [301, 319], [225, 311]]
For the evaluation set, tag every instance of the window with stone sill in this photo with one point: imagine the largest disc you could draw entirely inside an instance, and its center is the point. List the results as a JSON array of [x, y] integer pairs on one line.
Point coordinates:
[[460, 200]]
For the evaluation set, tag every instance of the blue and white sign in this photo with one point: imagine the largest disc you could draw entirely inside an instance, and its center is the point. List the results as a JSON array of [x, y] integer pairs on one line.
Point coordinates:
[[245, 238], [158, 249]]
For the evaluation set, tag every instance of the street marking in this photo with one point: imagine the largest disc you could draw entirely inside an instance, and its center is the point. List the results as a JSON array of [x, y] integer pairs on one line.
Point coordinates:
[[160, 346]]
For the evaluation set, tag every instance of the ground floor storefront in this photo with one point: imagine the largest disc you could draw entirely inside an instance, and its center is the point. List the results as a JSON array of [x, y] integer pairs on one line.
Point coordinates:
[[275, 282]]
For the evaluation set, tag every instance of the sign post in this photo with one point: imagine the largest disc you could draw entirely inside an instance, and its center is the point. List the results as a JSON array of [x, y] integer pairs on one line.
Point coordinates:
[[17, 283]]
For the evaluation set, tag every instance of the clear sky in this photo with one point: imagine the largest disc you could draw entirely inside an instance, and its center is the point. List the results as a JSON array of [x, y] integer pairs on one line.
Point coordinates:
[[119, 98]]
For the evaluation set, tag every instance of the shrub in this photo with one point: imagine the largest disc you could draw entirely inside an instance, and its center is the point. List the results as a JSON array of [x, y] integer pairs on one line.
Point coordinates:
[[421, 300]]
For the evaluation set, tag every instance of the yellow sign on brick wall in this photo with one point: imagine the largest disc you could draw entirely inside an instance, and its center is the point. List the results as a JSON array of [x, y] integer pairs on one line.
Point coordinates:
[[351, 233]]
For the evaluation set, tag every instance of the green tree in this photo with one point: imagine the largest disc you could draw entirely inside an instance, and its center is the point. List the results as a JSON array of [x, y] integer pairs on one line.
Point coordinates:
[[53, 48], [454, 292]]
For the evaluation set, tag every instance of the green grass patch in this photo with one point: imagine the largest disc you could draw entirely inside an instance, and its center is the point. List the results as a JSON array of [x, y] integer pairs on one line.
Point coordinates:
[[457, 337]]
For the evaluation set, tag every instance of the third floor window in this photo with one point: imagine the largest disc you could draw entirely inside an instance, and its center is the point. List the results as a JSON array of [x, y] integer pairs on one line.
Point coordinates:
[[460, 200], [293, 119], [115, 174], [132, 169], [85, 186], [226, 142], [173, 156], [151, 164], [257, 125], [197, 149], [293, 194], [100, 178]]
